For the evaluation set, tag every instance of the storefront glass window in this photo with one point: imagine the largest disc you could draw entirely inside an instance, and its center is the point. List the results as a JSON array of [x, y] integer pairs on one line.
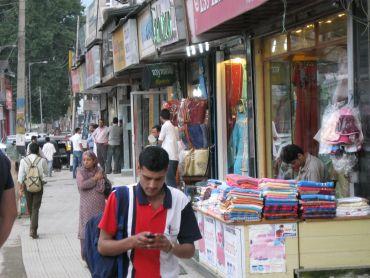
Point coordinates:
[[239, 112], [333, 28], [303, 83], [276, 45], [197, 78]]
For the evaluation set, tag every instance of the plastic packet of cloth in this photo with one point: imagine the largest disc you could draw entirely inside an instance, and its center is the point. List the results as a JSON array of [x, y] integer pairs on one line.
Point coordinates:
[[344, 163]]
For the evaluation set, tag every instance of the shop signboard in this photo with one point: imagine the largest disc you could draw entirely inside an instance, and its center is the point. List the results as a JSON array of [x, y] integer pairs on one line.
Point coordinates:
[[131, 43], [75, 80], [91, 105], [210, 241], [209, 14], [158, 75], [93, 67], [118, 50], [145, 33], [165, 30], [91, 22]]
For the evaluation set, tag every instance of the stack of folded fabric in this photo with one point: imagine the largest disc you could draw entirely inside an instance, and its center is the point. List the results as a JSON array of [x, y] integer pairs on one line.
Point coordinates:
[[317, 200], [242, 205], [352, 206], [280, 199], [242, 181]]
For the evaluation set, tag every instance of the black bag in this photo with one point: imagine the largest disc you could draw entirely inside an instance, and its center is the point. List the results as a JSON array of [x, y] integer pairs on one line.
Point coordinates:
[[107, 187]]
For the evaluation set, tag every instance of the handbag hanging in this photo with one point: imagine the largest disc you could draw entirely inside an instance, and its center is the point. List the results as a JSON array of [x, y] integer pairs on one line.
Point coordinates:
[[196, 162]]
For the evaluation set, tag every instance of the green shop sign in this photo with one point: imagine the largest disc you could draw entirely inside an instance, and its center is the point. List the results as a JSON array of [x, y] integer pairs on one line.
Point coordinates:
[[158, 75], [164, 22]]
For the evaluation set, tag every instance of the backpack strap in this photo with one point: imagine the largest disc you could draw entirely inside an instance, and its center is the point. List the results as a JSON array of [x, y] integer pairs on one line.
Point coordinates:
[[125, 218]]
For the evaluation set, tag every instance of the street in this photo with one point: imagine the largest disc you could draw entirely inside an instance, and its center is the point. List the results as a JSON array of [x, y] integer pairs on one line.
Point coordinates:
[[57, 252]]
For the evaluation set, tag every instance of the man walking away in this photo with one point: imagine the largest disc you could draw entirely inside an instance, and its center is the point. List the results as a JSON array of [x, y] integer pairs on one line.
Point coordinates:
[[34, 140], [49, 150], [31, 174], [165, 225], [168, 140], [101, 140], [115, 134], [76, 140], [8, 208]]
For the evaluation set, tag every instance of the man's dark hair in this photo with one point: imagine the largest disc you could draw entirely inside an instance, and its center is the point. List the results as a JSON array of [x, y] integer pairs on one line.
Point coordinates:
[[33, 138], [34, 148], [165, 114], [154, 159], [77, 129], [115, 120], [47, 139], [290, 153], [157, 127]]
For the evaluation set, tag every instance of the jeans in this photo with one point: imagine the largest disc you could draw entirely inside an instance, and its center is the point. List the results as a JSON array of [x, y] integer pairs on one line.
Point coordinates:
[[33, 204], [171, 173], [113, 152], [50, 168], [77, 159]]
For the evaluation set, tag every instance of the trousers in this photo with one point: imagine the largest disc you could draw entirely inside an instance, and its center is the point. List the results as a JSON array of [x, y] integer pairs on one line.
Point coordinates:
[[113, 152], [171, 173], [33, 203]]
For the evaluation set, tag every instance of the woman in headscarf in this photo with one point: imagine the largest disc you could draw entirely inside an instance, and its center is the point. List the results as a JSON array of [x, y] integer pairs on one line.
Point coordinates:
[[90, 182]]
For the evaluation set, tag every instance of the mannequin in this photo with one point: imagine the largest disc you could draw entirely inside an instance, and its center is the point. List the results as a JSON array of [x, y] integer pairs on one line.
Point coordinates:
[[239, 141]]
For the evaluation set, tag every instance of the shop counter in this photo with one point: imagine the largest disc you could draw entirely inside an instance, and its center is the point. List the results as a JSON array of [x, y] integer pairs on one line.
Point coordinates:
[[279, 248]]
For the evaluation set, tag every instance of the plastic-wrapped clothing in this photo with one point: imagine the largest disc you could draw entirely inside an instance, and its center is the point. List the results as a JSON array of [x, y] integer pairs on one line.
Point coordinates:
[[239, 144]]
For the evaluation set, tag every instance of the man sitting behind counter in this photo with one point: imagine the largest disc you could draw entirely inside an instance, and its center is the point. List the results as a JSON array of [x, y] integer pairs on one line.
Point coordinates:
[[309, 167]]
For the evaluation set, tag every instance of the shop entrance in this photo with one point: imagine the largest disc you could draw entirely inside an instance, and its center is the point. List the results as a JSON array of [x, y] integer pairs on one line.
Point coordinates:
[[145, 109]]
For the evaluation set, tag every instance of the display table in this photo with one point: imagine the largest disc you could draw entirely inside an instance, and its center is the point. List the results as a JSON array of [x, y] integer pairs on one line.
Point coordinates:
[[279, 248]]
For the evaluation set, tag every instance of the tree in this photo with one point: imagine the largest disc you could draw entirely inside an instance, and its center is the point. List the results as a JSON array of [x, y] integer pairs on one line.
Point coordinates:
[[50, 33]]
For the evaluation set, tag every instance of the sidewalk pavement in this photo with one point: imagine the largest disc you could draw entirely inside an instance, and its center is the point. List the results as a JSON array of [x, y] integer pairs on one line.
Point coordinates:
[[57, 252]]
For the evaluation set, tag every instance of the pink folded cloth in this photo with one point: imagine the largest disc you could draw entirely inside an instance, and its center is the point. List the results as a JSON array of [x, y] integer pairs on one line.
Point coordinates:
[[234, 178], [266, 180]]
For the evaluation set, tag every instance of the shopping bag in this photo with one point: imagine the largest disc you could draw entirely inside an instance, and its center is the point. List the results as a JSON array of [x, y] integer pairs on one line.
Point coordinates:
[[196, 162]]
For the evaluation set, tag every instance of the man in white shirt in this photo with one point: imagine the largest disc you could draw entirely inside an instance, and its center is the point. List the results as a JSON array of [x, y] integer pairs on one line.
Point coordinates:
[[76, 140], [33, 198], [49, 150], [101, 140], [168, 140]]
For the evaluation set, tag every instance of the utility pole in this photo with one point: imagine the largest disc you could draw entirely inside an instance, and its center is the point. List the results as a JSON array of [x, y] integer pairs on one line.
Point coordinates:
[[21, 69], [41, 109], [73, 95]]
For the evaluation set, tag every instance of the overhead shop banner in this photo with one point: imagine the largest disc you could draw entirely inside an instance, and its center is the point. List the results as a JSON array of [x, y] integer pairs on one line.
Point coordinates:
[[75, 80], [158, 75], [125, 46], [168, 18], [91, 105], [209, 14], [93, 71], [145, 33], [82, 77]]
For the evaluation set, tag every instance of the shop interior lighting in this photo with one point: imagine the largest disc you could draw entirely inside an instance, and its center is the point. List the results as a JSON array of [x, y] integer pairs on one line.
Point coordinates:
[[298, 31], [193, 50], [340, 15], [207, 46], [286, 44], [328, 21], [273, 47], [200, 46], [188, 51]]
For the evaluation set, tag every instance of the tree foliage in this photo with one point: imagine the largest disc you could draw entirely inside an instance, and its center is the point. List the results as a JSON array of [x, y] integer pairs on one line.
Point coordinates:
[[50, 33]]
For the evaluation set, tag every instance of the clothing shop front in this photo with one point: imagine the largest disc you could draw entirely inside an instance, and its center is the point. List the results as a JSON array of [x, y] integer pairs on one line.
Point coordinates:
[[302, 76]]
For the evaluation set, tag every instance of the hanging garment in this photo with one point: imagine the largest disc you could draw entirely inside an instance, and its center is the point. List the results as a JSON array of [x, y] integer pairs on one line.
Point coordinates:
[[239, 145], [306, 112]]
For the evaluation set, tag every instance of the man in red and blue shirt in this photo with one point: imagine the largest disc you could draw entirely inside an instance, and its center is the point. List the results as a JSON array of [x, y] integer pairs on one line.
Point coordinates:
[[161, 222]]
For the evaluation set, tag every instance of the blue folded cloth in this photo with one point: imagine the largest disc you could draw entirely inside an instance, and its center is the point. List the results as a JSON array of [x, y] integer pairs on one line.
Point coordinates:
[[314, 197], [315, 184]]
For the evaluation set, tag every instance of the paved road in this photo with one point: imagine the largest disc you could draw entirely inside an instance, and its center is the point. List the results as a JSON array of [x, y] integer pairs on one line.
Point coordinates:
[[57, 252]]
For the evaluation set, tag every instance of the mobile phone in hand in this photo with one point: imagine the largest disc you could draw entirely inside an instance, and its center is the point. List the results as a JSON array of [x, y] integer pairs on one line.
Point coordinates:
[[150, 236]]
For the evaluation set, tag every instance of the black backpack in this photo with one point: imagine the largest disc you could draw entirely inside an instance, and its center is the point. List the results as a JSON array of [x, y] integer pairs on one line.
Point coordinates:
[[107, 266]]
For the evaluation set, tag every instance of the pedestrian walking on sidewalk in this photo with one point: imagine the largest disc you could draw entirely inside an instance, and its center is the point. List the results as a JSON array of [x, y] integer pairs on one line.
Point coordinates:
[[31, 174], [90, 182], [115, 133], [168, 140], [76, 140], [8, 208], [165, 227], [90, 139], [34, 140], [49, 150], [101, 140]]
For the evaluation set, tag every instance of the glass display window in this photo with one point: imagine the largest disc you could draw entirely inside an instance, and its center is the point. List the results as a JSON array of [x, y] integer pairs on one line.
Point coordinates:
[[302, 82], [276, 45], [198, 78]]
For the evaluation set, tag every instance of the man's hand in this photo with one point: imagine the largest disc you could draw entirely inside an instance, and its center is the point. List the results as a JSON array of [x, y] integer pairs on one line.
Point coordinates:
[[142, 241], [162, 243]]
